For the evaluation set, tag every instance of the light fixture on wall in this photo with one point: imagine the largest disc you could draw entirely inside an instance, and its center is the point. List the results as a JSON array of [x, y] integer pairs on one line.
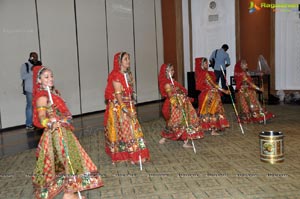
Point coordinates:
[[213, 16], [212, 5]]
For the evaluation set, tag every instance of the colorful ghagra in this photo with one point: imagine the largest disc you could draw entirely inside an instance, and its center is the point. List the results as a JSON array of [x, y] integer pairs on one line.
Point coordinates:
[[248, 105], [210, 108], [53, 173], [181, 118], [123, 135]]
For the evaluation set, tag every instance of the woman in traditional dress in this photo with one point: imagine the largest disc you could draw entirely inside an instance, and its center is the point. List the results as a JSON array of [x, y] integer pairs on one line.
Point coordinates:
[[210, 108], [62, 164], [123, 133], [181, 118], [248, 105]]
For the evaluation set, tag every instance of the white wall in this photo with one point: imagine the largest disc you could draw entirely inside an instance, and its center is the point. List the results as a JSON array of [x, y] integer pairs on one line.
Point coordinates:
[[78, 40], [59, 47], [210, 35], [18, 37], [93, 55], [287, 49]]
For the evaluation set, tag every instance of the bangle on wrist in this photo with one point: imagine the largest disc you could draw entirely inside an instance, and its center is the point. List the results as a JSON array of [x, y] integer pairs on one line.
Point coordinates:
[[125, 110], [50, 125], [45, 122], [173, 100], [118, 92], [168, 90]]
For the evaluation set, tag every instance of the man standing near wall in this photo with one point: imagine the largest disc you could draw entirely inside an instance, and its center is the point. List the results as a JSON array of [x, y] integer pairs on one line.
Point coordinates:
[[26, 76], [221, 59]]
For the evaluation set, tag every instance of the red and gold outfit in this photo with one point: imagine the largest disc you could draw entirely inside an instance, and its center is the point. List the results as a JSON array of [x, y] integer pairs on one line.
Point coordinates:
[[248, 105], [123, 134], [181, 118], [210, 107], [53, 173]]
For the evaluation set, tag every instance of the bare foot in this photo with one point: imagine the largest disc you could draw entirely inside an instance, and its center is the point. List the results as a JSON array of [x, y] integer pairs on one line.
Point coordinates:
[[72, 196], [213, 132], [162, 141], [186, 144]]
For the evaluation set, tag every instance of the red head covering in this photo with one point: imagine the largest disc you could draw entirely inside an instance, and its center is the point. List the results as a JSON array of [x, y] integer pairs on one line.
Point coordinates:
[[200, 74], [163, 79], [35, 84], [38, 92], [240, 75], [117, 76]]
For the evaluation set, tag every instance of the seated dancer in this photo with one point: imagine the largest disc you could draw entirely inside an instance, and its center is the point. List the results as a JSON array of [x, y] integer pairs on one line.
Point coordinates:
[[210, 107], [181, 118], [123, 133], [62, 164], [248, 105]]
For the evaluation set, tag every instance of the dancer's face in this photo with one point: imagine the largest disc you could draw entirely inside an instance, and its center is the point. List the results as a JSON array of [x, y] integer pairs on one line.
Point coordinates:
[[125, 62], [46, 79], [244, 66], [205, 65], [170, 71]]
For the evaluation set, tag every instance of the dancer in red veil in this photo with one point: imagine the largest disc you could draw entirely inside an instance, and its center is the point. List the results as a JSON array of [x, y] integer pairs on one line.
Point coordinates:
[[249, 108], [123, 133], [211, 110], [181, 118], [62, 164]]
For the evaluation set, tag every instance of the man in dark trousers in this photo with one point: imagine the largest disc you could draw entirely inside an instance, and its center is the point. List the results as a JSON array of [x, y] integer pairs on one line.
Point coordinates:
[[26, 76], [222, 59]]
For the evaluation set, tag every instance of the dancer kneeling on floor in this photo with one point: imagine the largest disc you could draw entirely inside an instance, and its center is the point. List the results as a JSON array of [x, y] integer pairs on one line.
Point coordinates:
[[248, 104], [181, 118], [210, 108]]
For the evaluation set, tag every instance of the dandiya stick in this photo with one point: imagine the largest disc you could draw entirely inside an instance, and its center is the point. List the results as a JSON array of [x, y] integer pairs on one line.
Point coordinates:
[[132, 130], [183, 113], [263, 100], [233, 104], [64, 144]]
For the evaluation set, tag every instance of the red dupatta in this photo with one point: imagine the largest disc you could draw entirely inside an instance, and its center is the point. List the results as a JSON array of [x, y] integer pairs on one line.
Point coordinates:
[[201, 75], [240, 75], [117, 76], [164, 79], [38, 92]]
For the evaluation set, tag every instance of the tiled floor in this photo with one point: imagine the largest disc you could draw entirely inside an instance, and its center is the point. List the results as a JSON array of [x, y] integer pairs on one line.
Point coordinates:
[[226, 166]]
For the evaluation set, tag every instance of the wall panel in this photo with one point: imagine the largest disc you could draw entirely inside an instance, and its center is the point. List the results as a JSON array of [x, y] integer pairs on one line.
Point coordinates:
[[212, 28], [120, 30], [287, 49], [92, 44], [77, 39], [18, 37], [145, 50], [159, 35], [59, 48]]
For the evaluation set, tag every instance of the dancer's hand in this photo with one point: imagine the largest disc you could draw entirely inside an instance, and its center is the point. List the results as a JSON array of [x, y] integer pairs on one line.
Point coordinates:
[[132, 114], [227, 92], [261, 89], [55, 125]]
